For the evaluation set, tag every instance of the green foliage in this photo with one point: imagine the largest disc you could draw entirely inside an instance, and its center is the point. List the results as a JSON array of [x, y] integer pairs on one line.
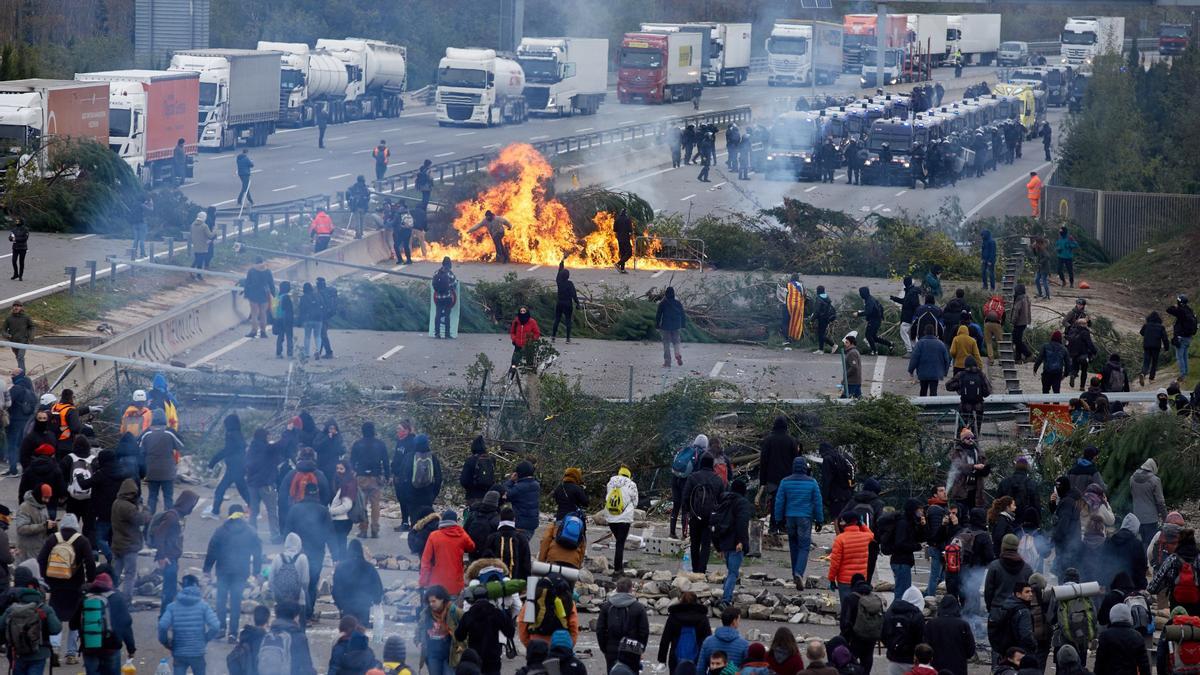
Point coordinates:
[[883, 435], [585, 203], [727, 242]]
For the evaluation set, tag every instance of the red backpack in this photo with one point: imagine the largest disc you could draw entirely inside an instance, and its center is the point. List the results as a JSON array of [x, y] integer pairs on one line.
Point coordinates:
[[993, 309], [1186, 591], [1185, 652]]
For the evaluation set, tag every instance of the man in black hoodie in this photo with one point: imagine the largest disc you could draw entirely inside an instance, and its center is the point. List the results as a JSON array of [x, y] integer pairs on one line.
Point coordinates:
[[903, 629], [510, 546], [478, 471], [483, 523], [480, 628], [369, 456], [1011, 624], [733, 541], [1121, 650], [837, 478], [909, 533], [701, 494], [950, 636], [862, 647], [236, 552], [1021, 486], [872, 311], [909, 302], [775, 454], [622, 618], [1004, 574], [105, 484], [1065, 533]]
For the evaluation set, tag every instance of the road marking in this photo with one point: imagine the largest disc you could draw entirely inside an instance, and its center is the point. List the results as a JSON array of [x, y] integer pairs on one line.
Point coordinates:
[[254, 171], [719, 98], [390, 352], [417, 142], [361, 152], [379, 275], [490, 146], [978, 207], [716, 369], [810, 189], [444, 154], [634, 180], [687, 198], [539, 137], [309, 161], [388, 131], [220, 352], [467, 133], [421, 114], [877, 377], [340, 175], [534, 268], [279, 147], [901, 192], [227, 201], [337, 138], [6, 255], [716, 186], [81, 238], [628, 122], [877, 206], [657, 274], [580, 131], [286, 187]]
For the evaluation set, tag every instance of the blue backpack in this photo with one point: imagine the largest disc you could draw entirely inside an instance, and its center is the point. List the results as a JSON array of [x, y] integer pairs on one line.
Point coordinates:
[[570, 533], [686, 648], [685, 462]]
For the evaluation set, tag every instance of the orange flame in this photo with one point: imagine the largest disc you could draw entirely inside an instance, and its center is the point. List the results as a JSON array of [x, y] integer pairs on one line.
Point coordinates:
[[542, 231]]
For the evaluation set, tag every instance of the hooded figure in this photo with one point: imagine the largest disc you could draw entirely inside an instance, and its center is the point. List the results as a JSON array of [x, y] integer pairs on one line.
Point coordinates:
[[570, 496], [442, 560], [67, 594], [423, 495], [1145, 490], [524, 492], [682, 617], [1004, 573], [904, 626], [30, 523], [187, 623], [1123, 552], [356, 584], [485, 520], [950, 636], [702, 490], [837, 478], [1121, 649], [292, 555], [621, 617], [1065, 532]]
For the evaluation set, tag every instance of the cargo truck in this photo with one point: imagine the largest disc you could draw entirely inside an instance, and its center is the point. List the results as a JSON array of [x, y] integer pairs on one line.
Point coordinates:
[[1173, 38], [1085, 37], [793, 56], [475, 86], [309, 79], [149, 111], [859, 32], [239, 94], [36, 112], [659, 67], [927, 39], [377, 74], [725, 49], [564, 75], [975, 36]]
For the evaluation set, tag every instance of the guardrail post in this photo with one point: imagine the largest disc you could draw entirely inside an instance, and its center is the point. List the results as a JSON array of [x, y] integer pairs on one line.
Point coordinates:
[[239, 222], [112, 274], [70, 271], [271, 223], [224, 232], [631, 383], [171, 248], [189, 245], [254, 223], [91, 264], [150, 250], [326, 202]]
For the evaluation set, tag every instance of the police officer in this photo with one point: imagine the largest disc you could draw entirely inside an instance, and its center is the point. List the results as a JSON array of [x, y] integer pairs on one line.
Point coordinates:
[[885, 163], [743, 151], [980, 146], [1045, 139], [322, 120], [675, 142], [933, 164], [853, 163], [938, 92], [689, 142], [827, 160], [917, 167], [997, 145], [732, 137]]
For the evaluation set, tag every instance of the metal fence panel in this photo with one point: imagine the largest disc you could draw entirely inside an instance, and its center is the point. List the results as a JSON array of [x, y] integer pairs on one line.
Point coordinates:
[[1075, 204], [1132, 219]]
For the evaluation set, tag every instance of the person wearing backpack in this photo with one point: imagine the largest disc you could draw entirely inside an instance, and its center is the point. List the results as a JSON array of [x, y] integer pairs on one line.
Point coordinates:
[[1123, 552], [1011, 624], [731, 534], [565, 541], [186, 626], [105, 484], [351, 654], [687, 627], [356, 585], [554, 610], [824, 313], [1178, 575], [861, 620], [243, 658], [1053, 359], [284, 649], [401, 482], [620, 502], [128, 522], [722, 465], [482, 520], [1064, 500], [369, 455], [1121, 649], [570, 496], [929, 361], [798, 504], [701, 494], [1165, 540], [726, 639], [23, 408], [775, 454], [837, 478], [621, 618], [66, 563], [44, 469], [77, 469], [1145, 490], [480, 628], [1184, 330], [422, 474], [478, 474], [524, 492], [236, 552], [973, 388], [289, 573], [165, 534], [993, 327], [510, 546], [442, 560], [903, 630], [686, 461], [107, 625], [310, 520], [161, 447], [27, 624]]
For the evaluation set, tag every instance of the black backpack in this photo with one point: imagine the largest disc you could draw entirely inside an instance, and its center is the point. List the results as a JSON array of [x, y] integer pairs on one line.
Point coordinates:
[[442, 284], [484, 473], [1185, 321], [885, 532], [723, 518], [971, 387], [702, 501]]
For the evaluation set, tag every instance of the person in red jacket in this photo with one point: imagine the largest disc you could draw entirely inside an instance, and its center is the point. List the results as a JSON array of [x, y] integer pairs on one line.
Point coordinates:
[[321, 230], [442, 560], [524, 332], [850, 553]]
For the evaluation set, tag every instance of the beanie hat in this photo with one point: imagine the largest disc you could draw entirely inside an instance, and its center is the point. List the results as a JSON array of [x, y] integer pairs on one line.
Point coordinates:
[[158, 417], [1009, 543], [103, 581], [1056, 336], [394, 650], [524, 469], [45, 449], [757, 651], [449, 519], [966, 433], [46, 491], [561, 638], [1091, 452], [1120, 612], [23, 577], [624, 471], [738, 487], [507, 513], [492, 498], [297, 423], [800, 465], [706, 461]]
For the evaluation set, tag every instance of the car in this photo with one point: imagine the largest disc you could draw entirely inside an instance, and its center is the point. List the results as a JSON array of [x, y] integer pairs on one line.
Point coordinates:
[[1013, 53]]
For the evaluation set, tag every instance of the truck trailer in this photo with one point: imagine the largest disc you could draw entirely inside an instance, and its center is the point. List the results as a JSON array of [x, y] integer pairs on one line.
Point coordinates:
[[725, 48], [659, 67], [927, 38], [564, 75], [377, 74], [1085, 37], [310, 79], [149, 111], [975, 36], [475, 86], [793, 56], [36, 112], [239, 94], [859, 32]]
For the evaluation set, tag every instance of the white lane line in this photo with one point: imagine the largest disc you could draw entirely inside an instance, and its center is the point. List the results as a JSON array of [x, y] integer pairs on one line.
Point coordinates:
[[837, 176], [718, 98], [309, 161], [286, 187], [491, 145], [82, 237], [717, 186], [628, 122], [220, 352], [539, 137], [534, 268], [634, 180], [421, 114], [279, 147], [337, 138], [444, 154], [340, 175], [467, 133], [396, 164], [978, 207], [390, 352], [390, 130], [227, 201], [6, 255], [900, 193], [580, 131], [417, 142], [877, 377], [657, 274], [877, 207], [254, 171], [716, 369], [362, 152], [810, 189], [687, 198]]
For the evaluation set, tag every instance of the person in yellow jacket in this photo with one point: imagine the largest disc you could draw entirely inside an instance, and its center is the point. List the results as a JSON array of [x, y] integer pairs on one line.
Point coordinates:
[[963, 346], [1033, 190], [137, 417]]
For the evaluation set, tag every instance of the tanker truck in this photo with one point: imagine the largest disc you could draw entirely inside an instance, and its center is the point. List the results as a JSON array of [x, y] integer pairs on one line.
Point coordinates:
[[475, 86], [36, 112], [564, 75], [309, 79], [239, 94], [148, 112], [376, 72]]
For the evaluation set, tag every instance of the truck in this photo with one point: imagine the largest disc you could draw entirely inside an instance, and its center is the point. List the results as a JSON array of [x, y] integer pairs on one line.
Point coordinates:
[[377, 74], [1173, 38], [564, 75], [859, 32], [725, 48], [794, 57], [975, 36], [149, 111], [895, 67], [1083, 38], [310, 79], [475, 86], [927, 38], [239, 94], [36, 112], [659, 67]]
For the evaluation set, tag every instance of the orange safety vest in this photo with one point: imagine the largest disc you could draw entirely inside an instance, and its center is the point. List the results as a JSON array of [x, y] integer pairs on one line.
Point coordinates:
[[322, 224], [135, 421], [1033, 189], [62, 410]]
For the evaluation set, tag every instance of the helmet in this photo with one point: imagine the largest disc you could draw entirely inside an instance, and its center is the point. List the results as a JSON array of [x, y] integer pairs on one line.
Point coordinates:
[[139, 396], [886, 144], [49, 399]]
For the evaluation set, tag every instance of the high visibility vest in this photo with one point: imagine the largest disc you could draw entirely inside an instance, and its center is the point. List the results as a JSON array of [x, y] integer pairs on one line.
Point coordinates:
[[1033, 189], [62, 410], [322, 224], [135, 420]]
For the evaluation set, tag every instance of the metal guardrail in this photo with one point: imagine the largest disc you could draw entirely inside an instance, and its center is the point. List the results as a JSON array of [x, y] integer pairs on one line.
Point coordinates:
[[1054, 47], [1122, 222], [670, 249]]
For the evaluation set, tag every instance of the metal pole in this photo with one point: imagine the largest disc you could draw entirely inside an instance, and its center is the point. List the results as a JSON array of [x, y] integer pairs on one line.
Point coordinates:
[[112, 273], [631, 383], [96, 356], [189, 270], [812, 58], [71, 273], [330, 261], [91, 274], [881, 15], [171, 248]]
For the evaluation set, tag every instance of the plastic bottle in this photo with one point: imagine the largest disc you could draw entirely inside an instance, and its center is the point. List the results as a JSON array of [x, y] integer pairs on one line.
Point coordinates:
[[685, 565], [129, 668], [164, 668]]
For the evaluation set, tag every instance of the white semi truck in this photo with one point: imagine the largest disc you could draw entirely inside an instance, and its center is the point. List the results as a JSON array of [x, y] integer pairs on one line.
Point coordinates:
[[927, 37], [1085, 37], [975, 36], [239, 94], [309, 79], [564, 75], [36, 113], [793, 56], [377, 75], [475, 86], [724, 48], [149, 111]]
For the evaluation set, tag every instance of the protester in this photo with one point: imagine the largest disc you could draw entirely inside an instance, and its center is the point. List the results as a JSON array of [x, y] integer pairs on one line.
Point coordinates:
[[285, 645], [701, 494], [66, 562], [28, 615], [929, 361], [799, 504], [861, 620], [1005, 574], [1120, 649], [356, 585], [345, 507], [853, 369], [1177, 575], [442, 561], [480, 628], [731, 534], [950, 636], [850, 555], [161, 447], [165, 534], [262, 477], [903, 630], [310, 520], [436, 624], [369, 456], [620, 504], [726, 639], [289, 573], [478, 474], [687, 627], [622, 619], [351, 654], [775, 454], [186, 626], [1010, 624], [106, 626], [236, 553], [670, 320]]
